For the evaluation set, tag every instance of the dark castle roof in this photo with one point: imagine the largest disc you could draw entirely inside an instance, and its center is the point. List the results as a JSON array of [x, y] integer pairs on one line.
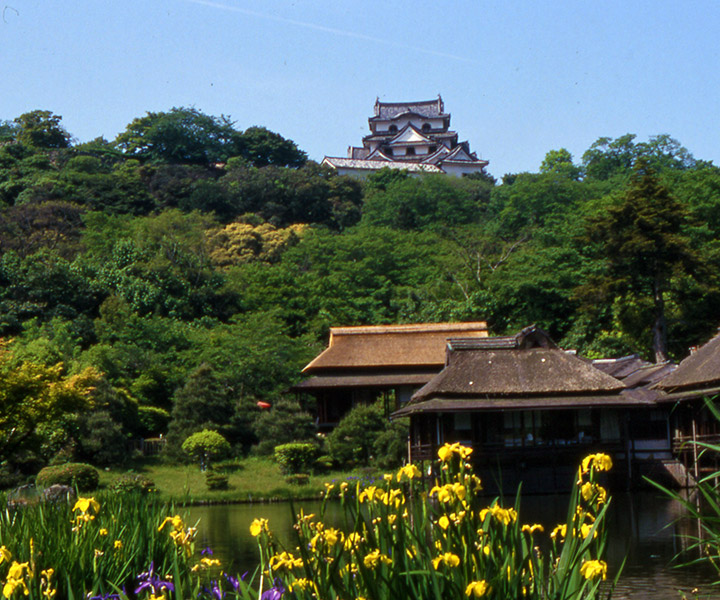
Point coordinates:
[[424, 108]]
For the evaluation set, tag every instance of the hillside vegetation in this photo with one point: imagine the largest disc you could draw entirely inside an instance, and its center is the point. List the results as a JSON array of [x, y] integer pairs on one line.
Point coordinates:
[[191, 268]]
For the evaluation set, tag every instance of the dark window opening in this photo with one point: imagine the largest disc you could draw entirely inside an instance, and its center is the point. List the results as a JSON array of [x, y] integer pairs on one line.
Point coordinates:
[[426, 127], [392, 128], [410, 151], [432, 149]]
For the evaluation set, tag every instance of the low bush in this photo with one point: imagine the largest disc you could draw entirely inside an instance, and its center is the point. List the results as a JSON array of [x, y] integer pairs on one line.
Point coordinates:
[[216, 481], [298, 479], [84, 477], [296, 457], [130, 483]]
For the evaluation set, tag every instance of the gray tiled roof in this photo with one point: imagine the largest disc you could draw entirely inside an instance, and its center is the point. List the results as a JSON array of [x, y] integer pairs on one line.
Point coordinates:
[[425, 108], [352, 163]]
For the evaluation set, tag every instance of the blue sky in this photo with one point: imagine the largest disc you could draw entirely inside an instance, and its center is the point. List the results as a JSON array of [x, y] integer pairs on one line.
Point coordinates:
[[519, 78]]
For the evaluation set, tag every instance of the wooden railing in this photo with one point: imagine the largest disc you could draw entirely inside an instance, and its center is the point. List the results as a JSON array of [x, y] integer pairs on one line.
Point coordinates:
[[149, 446]]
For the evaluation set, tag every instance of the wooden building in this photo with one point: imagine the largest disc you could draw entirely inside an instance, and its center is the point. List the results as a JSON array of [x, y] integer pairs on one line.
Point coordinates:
[[531, 411], [414, 136], [683, 394], [362, 364]]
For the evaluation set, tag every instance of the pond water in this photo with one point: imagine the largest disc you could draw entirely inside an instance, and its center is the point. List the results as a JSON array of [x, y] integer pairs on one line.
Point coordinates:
[[638, 528]]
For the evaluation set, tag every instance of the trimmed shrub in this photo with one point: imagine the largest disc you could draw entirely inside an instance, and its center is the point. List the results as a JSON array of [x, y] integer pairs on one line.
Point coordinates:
[[216, 481], [84, 477], [206, 446], [298, 479], [296, 457], [131, 483]]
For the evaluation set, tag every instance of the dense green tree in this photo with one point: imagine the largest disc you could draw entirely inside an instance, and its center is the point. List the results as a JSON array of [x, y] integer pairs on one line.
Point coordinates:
[[142, 354], [204, 402], [352, 442], [180, 135], [41, 129], [54, 225], [560, 162], [283, 423], [642, 244], [253, 353], [34, 403], [286, 196], [159, 264], [431, 201], [8, 131], [44, 285], [366, 275], [608, 158], [534, 201], [261, 147]]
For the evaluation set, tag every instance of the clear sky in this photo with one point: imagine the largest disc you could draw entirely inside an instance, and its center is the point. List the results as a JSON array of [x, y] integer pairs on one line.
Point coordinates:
[[519, 77]]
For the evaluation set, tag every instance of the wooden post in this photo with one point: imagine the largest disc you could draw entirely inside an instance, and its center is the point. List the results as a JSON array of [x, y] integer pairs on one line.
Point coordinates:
[[694, 446]]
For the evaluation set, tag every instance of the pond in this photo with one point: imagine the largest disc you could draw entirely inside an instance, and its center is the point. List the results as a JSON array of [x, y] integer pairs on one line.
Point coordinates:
[[638, 528]]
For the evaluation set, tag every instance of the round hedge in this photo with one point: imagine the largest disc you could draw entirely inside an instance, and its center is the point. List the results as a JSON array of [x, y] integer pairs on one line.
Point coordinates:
[[84, 477]]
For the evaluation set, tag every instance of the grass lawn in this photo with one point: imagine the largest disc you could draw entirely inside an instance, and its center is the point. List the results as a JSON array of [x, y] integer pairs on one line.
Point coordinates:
[[250, 479]]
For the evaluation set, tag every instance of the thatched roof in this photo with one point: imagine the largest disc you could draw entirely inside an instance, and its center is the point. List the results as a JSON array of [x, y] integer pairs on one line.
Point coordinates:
[[391, 346], [516, 371], [699, 370]]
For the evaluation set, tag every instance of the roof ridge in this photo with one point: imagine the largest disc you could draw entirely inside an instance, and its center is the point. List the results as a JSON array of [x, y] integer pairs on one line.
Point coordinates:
[[410, 327]]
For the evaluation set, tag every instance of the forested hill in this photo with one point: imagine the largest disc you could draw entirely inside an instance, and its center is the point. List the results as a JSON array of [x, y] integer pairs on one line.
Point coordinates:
[[188, 248]]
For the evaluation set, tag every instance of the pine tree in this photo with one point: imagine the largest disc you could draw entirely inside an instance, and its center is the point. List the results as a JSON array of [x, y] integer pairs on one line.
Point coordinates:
[[643, 247]]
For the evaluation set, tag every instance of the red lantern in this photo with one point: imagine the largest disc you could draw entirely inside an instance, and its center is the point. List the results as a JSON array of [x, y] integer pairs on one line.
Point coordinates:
[[263, 405]]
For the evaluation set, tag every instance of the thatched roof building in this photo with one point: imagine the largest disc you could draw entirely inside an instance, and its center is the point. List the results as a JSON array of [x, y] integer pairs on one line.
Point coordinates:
[[361, 363], [696, 376], [525, 371]]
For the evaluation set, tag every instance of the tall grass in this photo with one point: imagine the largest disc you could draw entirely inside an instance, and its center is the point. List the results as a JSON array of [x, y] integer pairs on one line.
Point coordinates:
[[98, 548], [703, 507], [399, 541]]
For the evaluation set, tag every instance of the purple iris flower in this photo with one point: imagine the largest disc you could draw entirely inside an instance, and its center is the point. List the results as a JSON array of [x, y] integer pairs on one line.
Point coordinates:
[[105, 597], [215, 591], [149, 580], [206, 550], [275, 592], [234, 581]]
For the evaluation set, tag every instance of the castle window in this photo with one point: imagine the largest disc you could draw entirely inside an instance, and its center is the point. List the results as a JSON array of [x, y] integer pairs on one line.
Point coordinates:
[[392, 129], [426, 127], [432, 149], [388, 151], [410, 151]]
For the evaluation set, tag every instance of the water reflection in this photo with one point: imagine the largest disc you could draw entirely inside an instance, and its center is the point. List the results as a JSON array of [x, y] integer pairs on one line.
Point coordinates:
[[638, 528]]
